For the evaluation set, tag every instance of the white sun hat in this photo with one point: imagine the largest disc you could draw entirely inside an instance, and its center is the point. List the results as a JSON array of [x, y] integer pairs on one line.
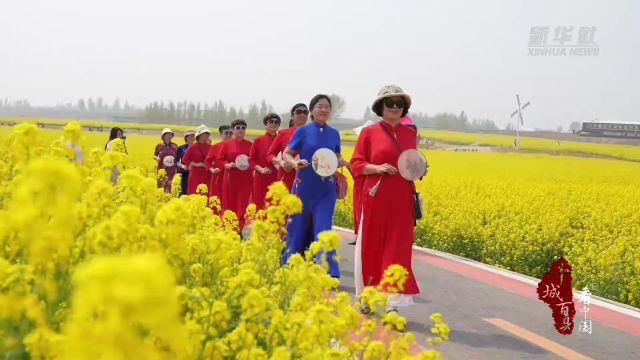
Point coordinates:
[[166, 131], [202, 129]]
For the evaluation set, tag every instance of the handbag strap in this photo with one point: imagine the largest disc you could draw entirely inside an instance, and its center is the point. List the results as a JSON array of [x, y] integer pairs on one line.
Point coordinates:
[[395, 141], [393, 138]]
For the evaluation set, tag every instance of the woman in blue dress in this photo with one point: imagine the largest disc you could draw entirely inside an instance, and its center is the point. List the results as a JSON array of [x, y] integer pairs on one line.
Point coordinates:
[[318, 194]]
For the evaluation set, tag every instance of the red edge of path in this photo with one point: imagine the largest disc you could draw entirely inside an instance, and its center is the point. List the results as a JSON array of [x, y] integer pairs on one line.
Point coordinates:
[[606, 316]]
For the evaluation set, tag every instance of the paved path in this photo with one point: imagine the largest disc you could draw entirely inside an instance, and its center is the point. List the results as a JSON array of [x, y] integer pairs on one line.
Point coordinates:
[[495, 315]]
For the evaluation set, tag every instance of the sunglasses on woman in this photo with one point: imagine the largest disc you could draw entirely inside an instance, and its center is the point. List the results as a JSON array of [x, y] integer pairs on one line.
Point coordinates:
[[226, 132], [299, 112], [390, 103], [273, 121], [240, 127]]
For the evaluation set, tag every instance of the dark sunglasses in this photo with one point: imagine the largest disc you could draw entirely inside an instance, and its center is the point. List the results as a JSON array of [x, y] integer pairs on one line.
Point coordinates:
[[273, 121], [390, 103], [298, 112], [227, 132], [240, 127]]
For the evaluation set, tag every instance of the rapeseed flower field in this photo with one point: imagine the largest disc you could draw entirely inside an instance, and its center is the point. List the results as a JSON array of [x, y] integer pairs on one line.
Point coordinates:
[[93, 270]]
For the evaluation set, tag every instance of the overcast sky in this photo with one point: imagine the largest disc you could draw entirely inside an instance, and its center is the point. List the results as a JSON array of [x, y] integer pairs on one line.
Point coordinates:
[[448, 55]]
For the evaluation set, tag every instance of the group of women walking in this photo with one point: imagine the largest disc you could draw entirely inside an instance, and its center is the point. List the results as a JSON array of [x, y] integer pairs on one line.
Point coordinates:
[[239, 171]]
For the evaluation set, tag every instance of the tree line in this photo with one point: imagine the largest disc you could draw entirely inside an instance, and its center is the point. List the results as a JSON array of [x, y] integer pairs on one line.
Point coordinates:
[[217, 113], [188, 112], [443, 121]]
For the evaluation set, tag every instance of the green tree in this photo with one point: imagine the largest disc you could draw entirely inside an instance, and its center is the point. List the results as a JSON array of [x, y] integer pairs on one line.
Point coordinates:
[[575, 126], [198, 114], [253, 116], [232, 114], [191, 112], [368, 115], [263, 108], [171, 111], [337, 105]]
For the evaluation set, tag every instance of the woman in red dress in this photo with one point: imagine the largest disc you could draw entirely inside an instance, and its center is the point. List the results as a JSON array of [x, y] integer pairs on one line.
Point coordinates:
[[194, 158], [385, 234], [265, 172], [215, 184], [236, 186], [165, 155], [286, 174]]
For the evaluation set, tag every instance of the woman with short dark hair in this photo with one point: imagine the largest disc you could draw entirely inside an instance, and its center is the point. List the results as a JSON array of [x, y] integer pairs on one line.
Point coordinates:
[[216, 179], [286, 174], [264, 173], [318, 194], [236, 186]]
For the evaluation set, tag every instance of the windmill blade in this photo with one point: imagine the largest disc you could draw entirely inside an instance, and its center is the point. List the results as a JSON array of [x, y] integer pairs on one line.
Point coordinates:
[[514, 113], [525, 105]]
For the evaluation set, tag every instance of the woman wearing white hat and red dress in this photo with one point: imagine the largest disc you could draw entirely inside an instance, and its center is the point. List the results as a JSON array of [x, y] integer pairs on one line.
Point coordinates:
[[195, 157], [265, 173], [189, 138], [165, 155], [385, 237]]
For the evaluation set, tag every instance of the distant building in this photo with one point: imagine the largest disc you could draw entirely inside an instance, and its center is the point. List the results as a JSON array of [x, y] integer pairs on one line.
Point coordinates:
[[610, 128]]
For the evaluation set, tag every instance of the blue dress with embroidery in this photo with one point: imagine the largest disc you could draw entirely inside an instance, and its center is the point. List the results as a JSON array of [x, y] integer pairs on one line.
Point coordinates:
[[318, 194]]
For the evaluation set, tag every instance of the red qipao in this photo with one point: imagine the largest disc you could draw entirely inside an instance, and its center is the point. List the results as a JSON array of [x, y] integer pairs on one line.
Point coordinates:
[[197, 152], [278, 146], [215, 184], [387, 220], [237, 184], [258, 155]]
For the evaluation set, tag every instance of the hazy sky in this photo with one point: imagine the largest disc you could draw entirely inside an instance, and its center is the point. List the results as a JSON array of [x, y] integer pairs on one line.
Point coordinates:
[[448, 55]]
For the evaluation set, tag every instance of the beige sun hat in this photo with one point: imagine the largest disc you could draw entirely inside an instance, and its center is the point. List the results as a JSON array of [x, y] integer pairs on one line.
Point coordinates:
[[166, 131], [189, 132], [202, 129], [388, 91]]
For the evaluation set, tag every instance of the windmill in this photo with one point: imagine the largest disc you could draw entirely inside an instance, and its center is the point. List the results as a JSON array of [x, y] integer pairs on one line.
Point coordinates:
[[520, 121]]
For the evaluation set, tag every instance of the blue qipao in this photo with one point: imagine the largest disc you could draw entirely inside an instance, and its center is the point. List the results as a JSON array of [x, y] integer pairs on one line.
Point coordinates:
[[318, 194]]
